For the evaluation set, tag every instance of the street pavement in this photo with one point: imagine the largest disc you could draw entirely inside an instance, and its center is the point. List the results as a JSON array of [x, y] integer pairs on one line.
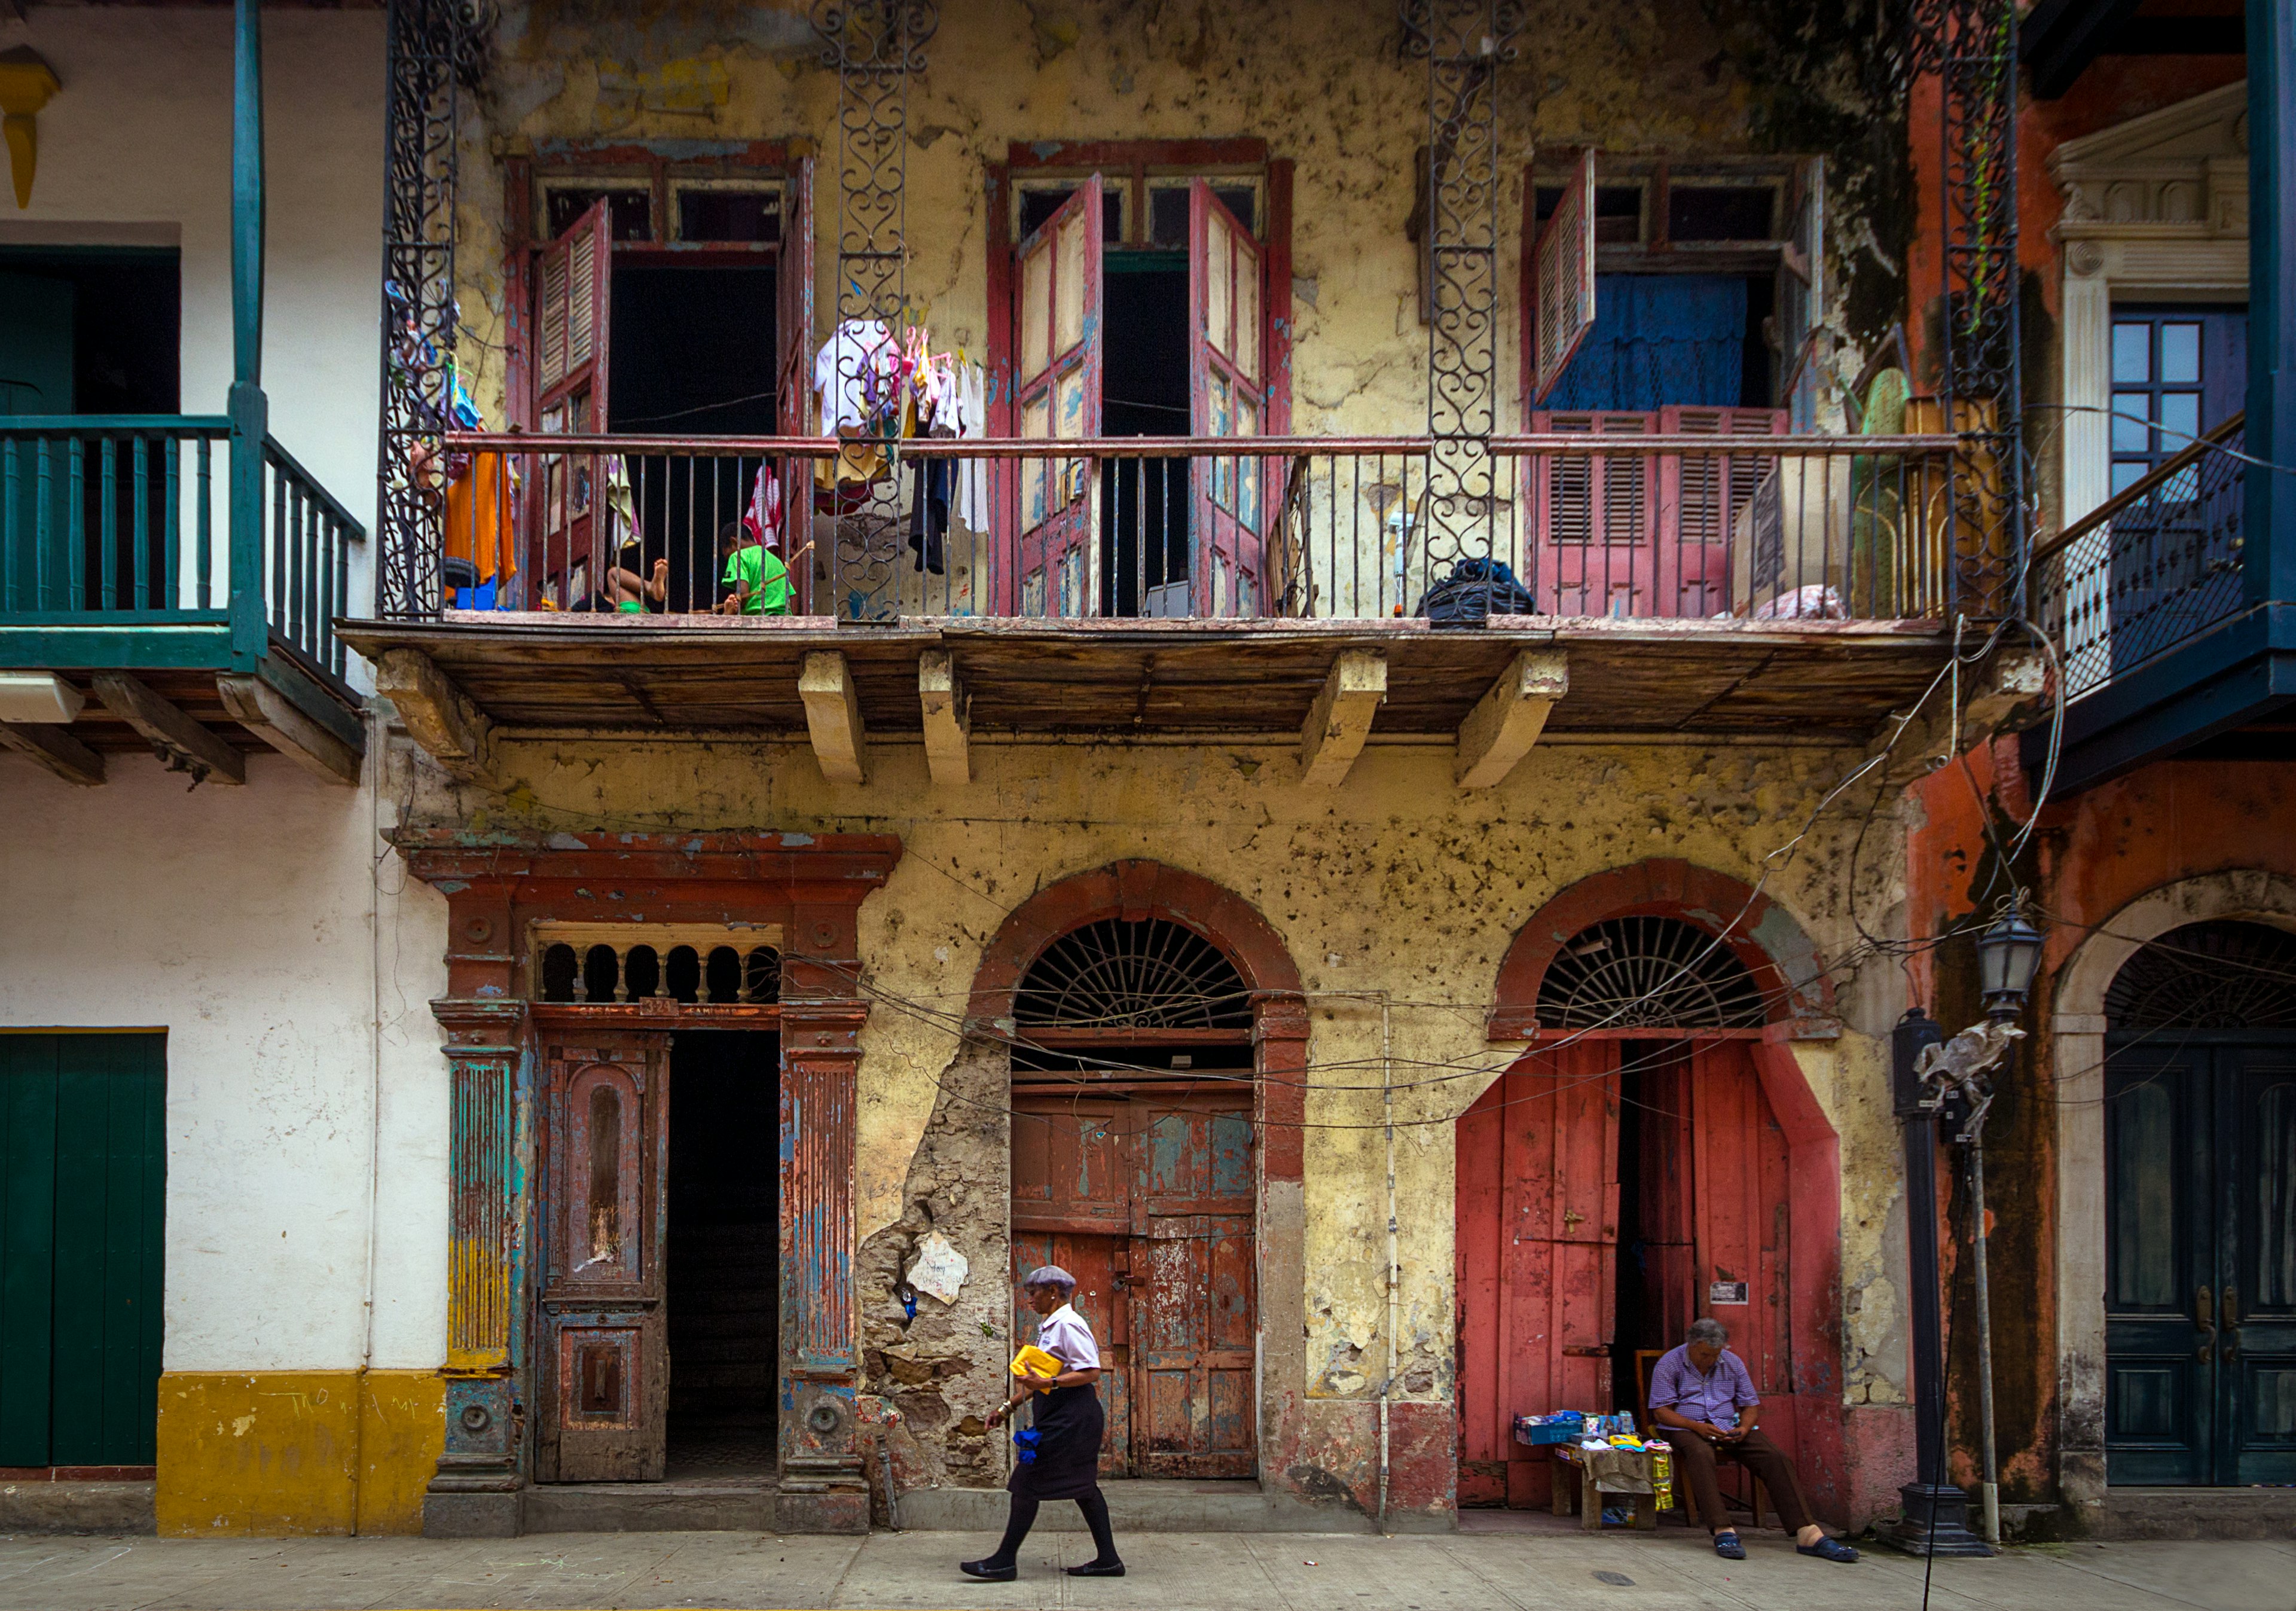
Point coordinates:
[[1530, 1570]]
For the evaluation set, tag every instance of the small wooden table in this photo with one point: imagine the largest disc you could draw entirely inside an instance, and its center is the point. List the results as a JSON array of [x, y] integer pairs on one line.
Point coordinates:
[[1571, 1485]]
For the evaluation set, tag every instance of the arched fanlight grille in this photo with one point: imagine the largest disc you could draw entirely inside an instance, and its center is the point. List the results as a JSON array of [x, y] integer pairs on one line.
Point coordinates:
[[1118, 976], [1628, 972], [2208, 975]]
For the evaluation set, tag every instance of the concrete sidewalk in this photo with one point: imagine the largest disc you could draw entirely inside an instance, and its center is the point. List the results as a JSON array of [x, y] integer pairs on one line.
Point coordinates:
[[1265, 1571]]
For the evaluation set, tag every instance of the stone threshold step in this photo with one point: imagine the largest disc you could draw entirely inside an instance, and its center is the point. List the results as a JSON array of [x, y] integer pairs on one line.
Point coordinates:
[[1148, 1504]]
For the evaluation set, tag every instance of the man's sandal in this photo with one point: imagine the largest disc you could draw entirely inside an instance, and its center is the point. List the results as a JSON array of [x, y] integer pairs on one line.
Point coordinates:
[[1727, 1546], [1828, 1550]]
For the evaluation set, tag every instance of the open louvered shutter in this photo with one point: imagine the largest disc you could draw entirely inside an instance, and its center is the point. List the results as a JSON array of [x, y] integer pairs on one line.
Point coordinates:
[[1800, 297], [1703, 503], [572, 292], [1562, 280], [1591, 517], [1057, 333], [1226, 394]]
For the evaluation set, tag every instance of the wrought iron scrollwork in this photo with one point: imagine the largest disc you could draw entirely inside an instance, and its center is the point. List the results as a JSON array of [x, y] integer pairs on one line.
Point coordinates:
[[1971, 48], [1464, 43], [435, 50], [874, 45]]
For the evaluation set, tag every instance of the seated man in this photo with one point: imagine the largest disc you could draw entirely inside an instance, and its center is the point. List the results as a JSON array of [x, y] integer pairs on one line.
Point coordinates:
[[1703, 1400]]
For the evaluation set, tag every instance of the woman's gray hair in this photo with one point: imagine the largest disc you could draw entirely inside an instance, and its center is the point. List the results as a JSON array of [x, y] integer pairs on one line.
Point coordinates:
[[1705, 1328], [1049, 1276]]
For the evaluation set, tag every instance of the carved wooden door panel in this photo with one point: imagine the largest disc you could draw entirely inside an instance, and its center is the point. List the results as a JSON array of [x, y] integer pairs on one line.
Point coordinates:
[[1058, 337], [1227, 395], [600, 1343]]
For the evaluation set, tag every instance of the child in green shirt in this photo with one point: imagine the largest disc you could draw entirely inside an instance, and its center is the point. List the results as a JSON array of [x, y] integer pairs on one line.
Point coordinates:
[[759, 579]]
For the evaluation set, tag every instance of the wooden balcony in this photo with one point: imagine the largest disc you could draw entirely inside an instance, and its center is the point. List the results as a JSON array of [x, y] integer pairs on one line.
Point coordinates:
[[164, 585], [1669, 587]]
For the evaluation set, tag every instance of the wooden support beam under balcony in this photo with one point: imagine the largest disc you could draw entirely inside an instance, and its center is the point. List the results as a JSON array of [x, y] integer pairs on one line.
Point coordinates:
[[184, 746], [1507, 721], [948, 719], [56, 750], [1340, 720], [439, 717], [278, 721], [808, 678], [832, 717]]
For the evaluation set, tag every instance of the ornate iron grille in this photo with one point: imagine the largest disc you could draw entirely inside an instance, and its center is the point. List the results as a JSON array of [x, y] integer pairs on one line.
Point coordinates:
[[1118, 976], [1970, 46], [1464, 43], [433, 50], [2208, 975], [1633, 972], [874, 45]]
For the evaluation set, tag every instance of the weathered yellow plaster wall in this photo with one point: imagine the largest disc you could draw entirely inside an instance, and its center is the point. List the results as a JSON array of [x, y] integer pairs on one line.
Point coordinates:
[[1325, 85], [1395, 884], [297, 1451]]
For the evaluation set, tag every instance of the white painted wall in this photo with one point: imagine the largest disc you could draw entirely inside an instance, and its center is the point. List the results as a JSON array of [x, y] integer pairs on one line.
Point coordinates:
[[291, 958], [136, 150]]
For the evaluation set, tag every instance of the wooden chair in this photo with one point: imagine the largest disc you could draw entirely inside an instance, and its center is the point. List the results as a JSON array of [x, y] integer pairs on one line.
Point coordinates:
[[1646, 1360]]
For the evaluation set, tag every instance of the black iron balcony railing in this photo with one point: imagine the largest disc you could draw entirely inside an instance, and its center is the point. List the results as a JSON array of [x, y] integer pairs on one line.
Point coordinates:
[[2150, 568], [1650, 526]]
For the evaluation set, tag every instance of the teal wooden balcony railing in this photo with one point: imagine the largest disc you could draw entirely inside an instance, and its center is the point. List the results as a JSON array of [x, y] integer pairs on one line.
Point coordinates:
[[121, 547]]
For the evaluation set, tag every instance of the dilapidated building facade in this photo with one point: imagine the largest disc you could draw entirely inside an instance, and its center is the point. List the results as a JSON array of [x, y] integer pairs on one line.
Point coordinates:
[[1384, 851]]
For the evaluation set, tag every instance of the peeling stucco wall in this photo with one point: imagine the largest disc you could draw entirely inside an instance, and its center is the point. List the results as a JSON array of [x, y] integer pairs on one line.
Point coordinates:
[[1396, 882], [1328, 86]]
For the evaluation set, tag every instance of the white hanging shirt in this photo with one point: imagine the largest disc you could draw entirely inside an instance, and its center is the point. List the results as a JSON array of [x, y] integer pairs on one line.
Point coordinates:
[[856, 347]]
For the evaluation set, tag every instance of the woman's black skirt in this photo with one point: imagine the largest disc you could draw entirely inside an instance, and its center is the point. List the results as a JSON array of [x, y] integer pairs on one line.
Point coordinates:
[[1070, 1422]]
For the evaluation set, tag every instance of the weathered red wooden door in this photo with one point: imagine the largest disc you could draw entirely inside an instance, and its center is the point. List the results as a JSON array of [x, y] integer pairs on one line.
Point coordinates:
[[1148, 1202], [1072, 1182], [601, 1343], [1197, 1315], [1227, 395], [1057, 326], [1741, 1194], [1538, 1246], [1591, 522], [1700, 501]]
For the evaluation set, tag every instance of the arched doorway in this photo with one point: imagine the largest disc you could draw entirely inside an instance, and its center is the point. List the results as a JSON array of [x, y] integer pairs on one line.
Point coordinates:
[[1157, 1039], [1654, 1156], [2200, 1167]]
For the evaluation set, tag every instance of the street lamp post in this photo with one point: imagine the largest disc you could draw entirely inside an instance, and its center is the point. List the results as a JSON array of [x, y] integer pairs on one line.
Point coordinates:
[[1927, 1069], [1935, 1519]]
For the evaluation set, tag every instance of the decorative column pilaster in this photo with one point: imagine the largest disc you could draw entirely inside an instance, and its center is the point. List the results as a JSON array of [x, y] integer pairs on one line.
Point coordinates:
[[822, 1488], [475, 1493]]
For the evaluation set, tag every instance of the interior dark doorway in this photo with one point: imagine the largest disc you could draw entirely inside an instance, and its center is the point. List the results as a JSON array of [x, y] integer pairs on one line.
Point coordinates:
[[693, 350], [1144, 524], [1657, 1259], [724, 1253]]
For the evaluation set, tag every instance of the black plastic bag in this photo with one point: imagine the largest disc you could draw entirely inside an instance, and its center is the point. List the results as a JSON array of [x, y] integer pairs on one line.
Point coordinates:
[[1475, 590]]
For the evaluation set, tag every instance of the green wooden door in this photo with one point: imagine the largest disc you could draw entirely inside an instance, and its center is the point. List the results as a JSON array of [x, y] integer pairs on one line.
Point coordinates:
[[2201, 1258], [36, 365], [83, 1173]]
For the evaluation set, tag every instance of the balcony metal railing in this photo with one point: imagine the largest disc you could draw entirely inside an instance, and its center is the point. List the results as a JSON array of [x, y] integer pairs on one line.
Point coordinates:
[[2151, 567], [1677, 526], [125, 520]]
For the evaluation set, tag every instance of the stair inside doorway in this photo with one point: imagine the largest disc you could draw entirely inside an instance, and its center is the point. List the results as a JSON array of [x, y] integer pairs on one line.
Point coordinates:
[[724, 1261]]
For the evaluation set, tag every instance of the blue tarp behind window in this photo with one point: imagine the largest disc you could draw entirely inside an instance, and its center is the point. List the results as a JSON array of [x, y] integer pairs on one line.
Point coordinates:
[[1660, 340]]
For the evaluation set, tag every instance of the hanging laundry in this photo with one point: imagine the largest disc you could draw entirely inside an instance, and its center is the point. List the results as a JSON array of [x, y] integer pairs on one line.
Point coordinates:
[[972, 496], [761, 521], [929, 514]]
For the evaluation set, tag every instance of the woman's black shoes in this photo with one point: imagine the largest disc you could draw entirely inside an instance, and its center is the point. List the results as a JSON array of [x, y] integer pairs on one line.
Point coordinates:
[[988, 1570], [1098, 1569]]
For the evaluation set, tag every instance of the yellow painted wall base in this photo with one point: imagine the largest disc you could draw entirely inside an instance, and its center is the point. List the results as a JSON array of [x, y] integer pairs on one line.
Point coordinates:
[[297, 1451]]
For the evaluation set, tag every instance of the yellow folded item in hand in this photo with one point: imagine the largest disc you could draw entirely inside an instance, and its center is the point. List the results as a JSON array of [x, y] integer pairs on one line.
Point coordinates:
[[1033, 1361]]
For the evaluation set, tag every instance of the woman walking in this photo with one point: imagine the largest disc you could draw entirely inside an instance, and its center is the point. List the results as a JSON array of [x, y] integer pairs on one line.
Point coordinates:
[[1069, 1423]]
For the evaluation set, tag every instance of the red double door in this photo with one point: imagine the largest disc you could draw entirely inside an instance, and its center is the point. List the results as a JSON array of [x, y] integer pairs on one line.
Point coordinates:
[[1146, 1198], [1546, 1187]]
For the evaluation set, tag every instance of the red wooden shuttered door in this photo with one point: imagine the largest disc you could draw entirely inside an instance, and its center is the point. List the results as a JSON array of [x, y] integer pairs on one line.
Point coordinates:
[[1228, 396], [601, 1343], [1703, 503], [1537, 1246], [573, 297], [1057, 332], [1741, 1197], [1072, 1185]]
